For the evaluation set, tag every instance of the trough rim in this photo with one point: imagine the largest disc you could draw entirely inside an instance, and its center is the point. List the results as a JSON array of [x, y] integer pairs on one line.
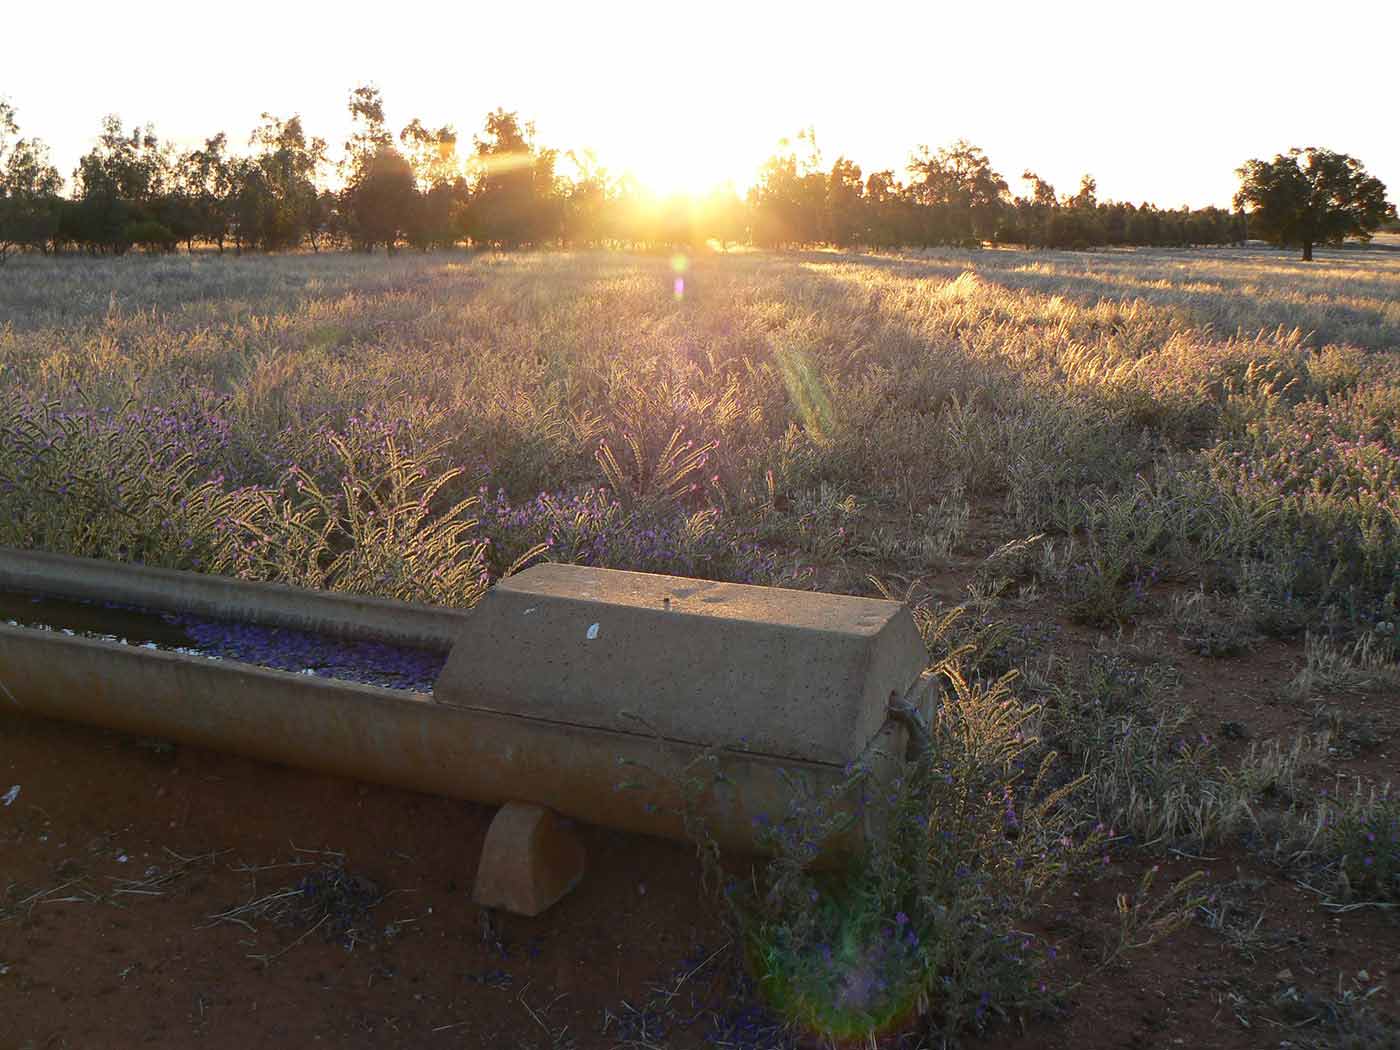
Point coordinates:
[[157, 589]]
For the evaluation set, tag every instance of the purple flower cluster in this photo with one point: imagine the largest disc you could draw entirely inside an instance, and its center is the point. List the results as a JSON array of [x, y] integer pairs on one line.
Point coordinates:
[[1010, 820], [748, 1025], [337, 900], [197, 426], [593, 528]]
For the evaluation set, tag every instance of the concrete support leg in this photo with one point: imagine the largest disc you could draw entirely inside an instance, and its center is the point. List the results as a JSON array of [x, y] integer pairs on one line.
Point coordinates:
[[529, 862]]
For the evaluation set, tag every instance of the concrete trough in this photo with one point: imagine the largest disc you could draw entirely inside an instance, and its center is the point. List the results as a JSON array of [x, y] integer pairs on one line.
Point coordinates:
[[556, 683]]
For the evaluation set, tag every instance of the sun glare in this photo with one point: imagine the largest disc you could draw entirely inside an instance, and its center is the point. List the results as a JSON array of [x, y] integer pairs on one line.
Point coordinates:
[[686, 150], [674, 174]]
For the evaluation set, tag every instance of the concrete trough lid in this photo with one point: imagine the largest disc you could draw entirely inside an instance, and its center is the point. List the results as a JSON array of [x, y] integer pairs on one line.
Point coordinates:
[[789, 674]]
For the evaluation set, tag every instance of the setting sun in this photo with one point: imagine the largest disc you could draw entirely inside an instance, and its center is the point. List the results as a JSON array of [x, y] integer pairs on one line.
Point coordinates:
[[677, 164]]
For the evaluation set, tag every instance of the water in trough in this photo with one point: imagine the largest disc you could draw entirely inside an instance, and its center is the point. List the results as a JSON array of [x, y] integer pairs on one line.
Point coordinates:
[[280, 648]]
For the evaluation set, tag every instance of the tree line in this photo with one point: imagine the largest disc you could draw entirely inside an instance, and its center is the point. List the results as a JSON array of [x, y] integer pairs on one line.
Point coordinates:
[[954, 196], [424, 188]]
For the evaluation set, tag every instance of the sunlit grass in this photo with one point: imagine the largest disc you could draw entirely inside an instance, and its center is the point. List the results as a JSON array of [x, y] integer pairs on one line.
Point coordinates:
[[1255, 392]]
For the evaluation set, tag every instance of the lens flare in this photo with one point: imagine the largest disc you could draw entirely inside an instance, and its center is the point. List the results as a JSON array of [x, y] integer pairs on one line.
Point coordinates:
[[499, 163], [679, 265]]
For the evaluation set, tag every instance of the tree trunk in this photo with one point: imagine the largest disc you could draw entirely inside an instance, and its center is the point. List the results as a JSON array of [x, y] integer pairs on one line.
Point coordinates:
[[1307, 251]]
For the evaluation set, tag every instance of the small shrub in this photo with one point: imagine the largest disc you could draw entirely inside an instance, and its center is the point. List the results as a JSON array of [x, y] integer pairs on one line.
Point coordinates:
[[1366, 664], [86, 483], [1344, 1019], [1359, 834], [1146, 772], [150, 235], [1207, 632], [382, 533]]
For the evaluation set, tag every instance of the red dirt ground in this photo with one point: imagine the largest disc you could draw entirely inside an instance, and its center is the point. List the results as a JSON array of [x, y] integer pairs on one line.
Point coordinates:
[[85, 962]]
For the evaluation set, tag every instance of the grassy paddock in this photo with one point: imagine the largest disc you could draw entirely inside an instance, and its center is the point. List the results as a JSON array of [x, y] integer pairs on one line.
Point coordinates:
[[1205, 445], [1226, 419]]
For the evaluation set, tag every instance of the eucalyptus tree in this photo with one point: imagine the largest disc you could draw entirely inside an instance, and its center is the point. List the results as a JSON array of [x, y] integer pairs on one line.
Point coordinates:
[[384, 205], [289, 164], [846, 222], [516, 197], [588, 201], [437, 170], [119, 183], [205, 178], [788, 203], [887, 207], [1036, 210], [959, 186], [379, 203], [370, 132], [29, 188], [1311, 196]]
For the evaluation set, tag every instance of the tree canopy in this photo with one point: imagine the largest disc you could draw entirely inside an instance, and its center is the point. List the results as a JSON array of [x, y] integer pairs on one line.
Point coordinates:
[[1311, 196]]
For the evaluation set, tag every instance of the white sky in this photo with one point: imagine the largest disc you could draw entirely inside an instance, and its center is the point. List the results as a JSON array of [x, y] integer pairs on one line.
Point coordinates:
[[1159, 102]]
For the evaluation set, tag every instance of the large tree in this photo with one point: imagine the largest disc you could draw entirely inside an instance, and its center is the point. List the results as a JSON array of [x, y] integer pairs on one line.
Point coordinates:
[[442, 190], [516, 198], [379, 203], [119, 182], [588, 202], [788, 203], [962, 189], [205, 180], [29, 187], [432, 152], [845, 205], [383, 205], [132, 167], [371, 132], [289, 164], [1311, 196]]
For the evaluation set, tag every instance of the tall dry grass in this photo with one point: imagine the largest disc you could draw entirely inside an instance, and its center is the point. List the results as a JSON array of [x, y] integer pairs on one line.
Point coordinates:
[[1225, 417]]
